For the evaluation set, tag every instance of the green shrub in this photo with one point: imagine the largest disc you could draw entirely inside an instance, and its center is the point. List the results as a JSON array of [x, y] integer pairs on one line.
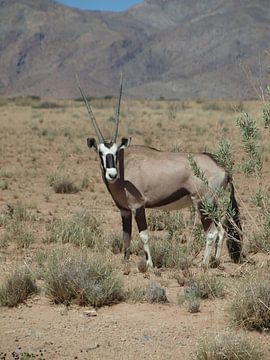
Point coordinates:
[[80, 229], [251, 303], [81, 279], [154, 293], [20, 234], [48, 105], [169, 254], [205, 286], [115, 243], [62, 184], [17, 288], [171, 221], [227, 345]]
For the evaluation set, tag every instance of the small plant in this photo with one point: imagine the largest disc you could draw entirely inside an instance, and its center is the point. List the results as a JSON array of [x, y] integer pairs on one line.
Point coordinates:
[[17, 288], [116, 243], [171, 221], [227, 345], [23, 238], [197, 170], [170, 254], [137, 294], [85, 183], [193, 300], [251, 304], [205, 286], [81, 229], [154, 293], [250, 137], [199, 239], [81, 279], [172, 111], [3, 184], [48, 105], [20, 234], [3, 101], [212, 106], [20, 212], [62, 184], [224, 155]]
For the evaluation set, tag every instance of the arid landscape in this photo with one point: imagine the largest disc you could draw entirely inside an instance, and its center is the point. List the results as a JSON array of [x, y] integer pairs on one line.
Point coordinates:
[[43, 147]]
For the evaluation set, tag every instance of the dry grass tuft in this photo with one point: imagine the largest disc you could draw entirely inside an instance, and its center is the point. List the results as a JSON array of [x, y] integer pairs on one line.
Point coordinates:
[[81, 279], [227, 345], [154, 293], [80, 229], [17, 288], [250, 307]]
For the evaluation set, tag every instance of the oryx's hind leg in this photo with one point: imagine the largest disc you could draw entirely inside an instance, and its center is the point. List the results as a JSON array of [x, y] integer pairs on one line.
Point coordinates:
[[214, 236], [143, 232], [127, 227], [219, 242], [211, 238]]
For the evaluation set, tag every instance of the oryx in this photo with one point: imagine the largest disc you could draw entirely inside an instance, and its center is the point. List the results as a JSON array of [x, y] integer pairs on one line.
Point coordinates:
[[140, 177]]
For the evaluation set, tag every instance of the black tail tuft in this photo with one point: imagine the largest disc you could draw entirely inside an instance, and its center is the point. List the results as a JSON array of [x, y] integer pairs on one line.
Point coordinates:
[[234, 229]]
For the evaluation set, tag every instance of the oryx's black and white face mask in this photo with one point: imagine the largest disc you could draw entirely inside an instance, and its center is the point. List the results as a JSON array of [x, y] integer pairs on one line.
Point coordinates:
[[109, 154]]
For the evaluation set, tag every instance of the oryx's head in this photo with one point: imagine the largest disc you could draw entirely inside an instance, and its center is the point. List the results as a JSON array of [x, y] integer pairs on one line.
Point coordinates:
[[108, 150]]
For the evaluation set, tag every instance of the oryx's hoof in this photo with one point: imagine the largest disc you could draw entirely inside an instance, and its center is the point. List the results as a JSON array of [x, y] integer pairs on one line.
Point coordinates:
[[214, 263]]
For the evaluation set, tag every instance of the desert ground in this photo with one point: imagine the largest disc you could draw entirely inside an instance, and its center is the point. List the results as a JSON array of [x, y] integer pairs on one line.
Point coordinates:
[[40, 141]]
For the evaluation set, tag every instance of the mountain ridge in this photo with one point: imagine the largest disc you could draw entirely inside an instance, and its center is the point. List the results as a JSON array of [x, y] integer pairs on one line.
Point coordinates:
[[171, 49]]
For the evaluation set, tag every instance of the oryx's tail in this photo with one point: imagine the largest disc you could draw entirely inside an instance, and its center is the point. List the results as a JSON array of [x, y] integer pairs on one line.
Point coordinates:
[[233, 228]]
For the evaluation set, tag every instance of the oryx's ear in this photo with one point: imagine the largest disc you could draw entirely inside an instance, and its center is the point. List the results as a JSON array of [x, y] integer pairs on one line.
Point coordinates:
[[91, 142], [124, 143]]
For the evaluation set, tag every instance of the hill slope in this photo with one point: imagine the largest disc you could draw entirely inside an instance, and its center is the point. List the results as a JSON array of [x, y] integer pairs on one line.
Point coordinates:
[[170, 48]]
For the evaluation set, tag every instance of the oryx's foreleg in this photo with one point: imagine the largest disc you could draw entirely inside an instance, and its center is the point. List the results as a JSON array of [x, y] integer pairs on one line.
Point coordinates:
[[127, 227], [142, 227]]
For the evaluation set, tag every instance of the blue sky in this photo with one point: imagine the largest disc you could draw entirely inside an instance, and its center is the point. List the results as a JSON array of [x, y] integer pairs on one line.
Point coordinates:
[[112, 5]]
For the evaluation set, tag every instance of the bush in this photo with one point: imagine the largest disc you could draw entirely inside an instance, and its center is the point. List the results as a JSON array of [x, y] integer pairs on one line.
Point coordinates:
[[17, 288], [81, 229], [251, 304], [171, 221], [227, 345], [198, 288], [170, 254], [48, 105], [78, 278], [154, 293], [205, 286], [115, 243], [62, 184]]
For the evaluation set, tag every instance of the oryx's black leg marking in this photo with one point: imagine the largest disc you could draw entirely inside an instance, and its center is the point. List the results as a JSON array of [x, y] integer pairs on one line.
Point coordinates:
[[127, 227], [142, 227]]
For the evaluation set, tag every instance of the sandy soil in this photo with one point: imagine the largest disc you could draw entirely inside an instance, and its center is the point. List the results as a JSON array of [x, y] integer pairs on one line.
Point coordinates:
[[35, 143]]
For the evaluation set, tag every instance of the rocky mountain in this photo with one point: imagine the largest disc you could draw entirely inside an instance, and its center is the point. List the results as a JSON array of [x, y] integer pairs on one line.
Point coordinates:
[[168, 48]]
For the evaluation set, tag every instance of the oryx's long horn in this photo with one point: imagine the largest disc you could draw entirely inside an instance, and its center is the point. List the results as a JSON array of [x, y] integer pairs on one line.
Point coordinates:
[[96, 127], [117, 111]]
